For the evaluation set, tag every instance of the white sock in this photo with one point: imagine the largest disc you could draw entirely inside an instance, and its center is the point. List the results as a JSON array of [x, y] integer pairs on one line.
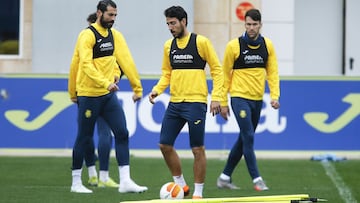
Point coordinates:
[[180, 180], [92, 171], [199, 187], [124, 173], [224, 177], [257, 179], [104, 176], [76, 177]]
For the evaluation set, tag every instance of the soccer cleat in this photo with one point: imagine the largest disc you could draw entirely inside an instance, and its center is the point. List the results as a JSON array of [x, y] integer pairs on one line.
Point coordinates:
[[129, 186], [186, 190], [93, 181], [109, 183], [226, 184], [196, 197], [260, 185], [79, 188]]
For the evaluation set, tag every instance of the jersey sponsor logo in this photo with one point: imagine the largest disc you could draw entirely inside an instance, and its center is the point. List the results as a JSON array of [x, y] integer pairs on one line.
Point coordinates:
[[253, 59], [106, 46], [183, 58]]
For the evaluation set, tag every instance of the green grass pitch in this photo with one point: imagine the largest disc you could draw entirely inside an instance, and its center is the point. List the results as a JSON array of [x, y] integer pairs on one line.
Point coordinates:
[[48, 179]]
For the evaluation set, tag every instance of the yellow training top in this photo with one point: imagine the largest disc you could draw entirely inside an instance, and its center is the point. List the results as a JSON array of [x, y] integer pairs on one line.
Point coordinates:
[[91, 77], [249, 83], [190, 85]]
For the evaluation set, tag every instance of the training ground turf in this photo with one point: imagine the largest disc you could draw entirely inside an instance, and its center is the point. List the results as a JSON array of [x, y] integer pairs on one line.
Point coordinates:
[[47, 179]]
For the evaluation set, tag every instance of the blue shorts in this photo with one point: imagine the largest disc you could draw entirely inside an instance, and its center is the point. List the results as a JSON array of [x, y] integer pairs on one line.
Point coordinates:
[[176, 115]]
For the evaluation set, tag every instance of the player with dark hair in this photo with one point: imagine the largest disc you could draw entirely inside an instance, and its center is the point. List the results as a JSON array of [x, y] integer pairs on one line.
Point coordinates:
[[183, 69], [249, 61], [104, 132], [101, 49], [91, 18]]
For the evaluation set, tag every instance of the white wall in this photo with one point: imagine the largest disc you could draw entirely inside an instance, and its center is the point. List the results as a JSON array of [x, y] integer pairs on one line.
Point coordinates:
[[278, 25], [307, 34], [147, 31], [318, 37], [56, 25], [352, 38]]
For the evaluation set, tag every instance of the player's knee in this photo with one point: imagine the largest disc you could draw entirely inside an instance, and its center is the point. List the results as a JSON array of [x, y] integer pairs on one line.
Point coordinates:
[[198, 151], [165, 148]]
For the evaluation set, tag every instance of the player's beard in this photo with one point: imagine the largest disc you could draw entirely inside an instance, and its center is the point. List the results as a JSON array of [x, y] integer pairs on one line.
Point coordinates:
[[181, 33], [106, 24], [253, 35]]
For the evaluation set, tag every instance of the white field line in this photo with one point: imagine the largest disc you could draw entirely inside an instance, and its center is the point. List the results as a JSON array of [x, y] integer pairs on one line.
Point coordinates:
[[344, 190]]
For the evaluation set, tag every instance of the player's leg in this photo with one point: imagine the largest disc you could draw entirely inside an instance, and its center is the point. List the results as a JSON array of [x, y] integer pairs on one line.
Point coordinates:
[[88, 112], [195, 114], [171, 126], [259, 183], [246, 112], [90, 159], [114, 115], [90, 164], [243, 113], [224, 181], [104, 143], [104, 149]]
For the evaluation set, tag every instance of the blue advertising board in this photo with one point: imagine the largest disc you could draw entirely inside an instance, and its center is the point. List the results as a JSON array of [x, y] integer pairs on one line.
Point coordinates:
[[314, 115]]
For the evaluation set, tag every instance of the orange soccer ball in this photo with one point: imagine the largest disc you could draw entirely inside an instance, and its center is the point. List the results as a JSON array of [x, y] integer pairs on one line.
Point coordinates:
[[171, 190]]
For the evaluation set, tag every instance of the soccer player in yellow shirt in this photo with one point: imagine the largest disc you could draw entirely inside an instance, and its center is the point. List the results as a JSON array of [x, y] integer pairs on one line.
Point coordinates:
[[183, 69], [248, 62], [101, 50]]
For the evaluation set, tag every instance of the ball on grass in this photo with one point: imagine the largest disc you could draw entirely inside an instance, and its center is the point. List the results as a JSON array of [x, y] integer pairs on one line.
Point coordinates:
[[171, 190]]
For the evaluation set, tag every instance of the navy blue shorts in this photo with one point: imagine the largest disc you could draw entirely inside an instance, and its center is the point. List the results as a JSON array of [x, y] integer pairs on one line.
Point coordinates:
[[177, 115]]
